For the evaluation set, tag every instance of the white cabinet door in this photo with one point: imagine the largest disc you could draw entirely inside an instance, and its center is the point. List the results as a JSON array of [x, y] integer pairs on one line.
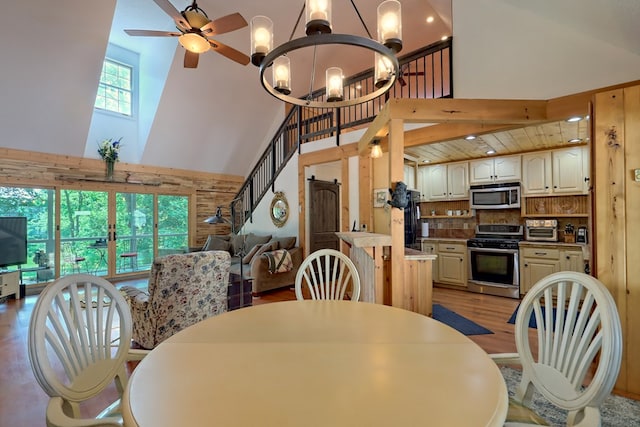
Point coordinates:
[[536, 173], [458, 180], [422, 184], [499, 169], [436, 184], [431, 249], [481, 171], [507, 169], [410, 176], [567, 171], [572, 260]]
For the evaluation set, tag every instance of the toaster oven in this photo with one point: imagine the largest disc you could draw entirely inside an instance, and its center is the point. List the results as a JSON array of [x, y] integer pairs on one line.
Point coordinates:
[[541, 230]]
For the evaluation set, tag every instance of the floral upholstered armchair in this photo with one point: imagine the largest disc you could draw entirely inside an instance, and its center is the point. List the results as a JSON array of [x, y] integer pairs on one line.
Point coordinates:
[[183, 289]]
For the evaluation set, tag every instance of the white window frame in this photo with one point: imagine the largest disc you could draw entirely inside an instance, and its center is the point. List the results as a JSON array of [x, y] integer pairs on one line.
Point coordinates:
[[103, 86]]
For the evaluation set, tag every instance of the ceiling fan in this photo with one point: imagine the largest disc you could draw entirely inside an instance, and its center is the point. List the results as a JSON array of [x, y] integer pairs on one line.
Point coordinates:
[[406, 71], [195, 28]]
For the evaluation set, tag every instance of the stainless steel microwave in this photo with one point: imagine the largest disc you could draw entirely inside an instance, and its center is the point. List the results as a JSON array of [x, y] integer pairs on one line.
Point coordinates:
[[495, 196]]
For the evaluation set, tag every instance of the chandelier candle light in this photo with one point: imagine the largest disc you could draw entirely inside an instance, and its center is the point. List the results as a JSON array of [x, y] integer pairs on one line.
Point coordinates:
[[319, 32]]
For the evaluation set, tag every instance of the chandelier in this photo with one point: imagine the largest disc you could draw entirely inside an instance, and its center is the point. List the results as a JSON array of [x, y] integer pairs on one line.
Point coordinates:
[[319, 32]]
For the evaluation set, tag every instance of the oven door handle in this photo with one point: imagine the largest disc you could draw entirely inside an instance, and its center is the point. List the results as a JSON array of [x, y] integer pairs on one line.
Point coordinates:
[[507, 251]]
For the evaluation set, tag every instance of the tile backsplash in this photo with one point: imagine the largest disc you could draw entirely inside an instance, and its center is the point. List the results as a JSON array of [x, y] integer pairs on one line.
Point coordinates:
[[464, 228]]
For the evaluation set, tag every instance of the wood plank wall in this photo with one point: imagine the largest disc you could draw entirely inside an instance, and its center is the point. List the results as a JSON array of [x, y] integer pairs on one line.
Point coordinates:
[[616, 150], [206, 191]]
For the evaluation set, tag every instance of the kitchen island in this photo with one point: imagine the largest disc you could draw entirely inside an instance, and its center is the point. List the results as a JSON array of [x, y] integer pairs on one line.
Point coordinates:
[[368, 251]]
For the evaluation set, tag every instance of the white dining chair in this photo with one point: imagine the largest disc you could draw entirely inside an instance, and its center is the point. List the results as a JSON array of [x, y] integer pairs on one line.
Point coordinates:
[[577, 331], [327, 274], [79, 341]]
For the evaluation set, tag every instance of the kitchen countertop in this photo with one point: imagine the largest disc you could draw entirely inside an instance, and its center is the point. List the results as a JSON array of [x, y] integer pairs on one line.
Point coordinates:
[[552, 244], [442, 239], [414, 254]]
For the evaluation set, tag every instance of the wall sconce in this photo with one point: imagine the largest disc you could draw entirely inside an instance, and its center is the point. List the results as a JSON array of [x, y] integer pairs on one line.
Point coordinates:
[[376, 150]]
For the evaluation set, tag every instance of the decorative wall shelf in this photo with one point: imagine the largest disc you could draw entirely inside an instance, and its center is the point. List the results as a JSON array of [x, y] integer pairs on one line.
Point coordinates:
[[556, 206], [107, 181]]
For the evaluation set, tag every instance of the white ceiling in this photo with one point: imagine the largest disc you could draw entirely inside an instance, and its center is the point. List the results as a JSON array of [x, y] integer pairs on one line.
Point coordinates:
[[216, 118]]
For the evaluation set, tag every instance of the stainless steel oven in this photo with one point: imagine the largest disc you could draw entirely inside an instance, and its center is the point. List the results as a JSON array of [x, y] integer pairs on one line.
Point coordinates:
[[494, 260]]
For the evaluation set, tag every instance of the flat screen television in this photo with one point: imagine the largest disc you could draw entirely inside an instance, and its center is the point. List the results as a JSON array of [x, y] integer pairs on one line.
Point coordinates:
[[13, 240]]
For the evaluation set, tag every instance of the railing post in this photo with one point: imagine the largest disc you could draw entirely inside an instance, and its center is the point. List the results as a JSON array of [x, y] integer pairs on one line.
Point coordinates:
[[273, 163], [338, 126], [299, 127]]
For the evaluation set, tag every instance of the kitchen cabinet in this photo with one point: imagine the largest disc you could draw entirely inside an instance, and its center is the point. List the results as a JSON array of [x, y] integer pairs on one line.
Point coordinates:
[[444, 182], [410, 176], [432, 249], [498, 169], [538, 261], [563, 171], [452, 263]]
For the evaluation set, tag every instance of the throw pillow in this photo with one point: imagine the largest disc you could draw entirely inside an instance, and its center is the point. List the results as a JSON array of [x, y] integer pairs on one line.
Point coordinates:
[[284, 242], [216, 244], [236, 244], [253, 239], [248, 257], [267, 247]]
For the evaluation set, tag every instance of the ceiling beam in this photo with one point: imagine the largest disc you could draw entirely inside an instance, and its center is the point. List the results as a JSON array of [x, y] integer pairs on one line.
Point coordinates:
[[446, 110], [448, 131]]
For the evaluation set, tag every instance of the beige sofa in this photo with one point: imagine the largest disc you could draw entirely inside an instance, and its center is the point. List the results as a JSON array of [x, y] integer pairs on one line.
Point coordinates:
[[251, 251]]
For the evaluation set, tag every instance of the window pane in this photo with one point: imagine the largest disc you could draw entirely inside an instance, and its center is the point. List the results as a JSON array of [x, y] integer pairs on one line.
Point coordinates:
[[173, 224], [37, 205], [83, 220], [114, 90], [134, 228]]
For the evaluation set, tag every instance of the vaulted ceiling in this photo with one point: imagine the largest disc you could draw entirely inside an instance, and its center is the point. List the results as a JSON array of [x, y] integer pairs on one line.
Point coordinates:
[[217, 117]]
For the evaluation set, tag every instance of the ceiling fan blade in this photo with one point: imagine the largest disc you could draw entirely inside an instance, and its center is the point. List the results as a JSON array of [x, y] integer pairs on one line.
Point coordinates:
[[152, 33], [228, 23], [170, 10], [191, 59], [229, 52]]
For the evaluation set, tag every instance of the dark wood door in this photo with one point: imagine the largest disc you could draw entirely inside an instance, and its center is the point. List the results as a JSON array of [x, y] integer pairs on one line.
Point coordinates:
[[324, 215]]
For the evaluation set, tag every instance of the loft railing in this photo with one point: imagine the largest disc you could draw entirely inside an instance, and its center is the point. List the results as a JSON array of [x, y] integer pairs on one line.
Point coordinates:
[[425, 73]]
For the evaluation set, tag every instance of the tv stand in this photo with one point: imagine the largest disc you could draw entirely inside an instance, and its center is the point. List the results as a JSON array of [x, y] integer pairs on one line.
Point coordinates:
[[10, 284]]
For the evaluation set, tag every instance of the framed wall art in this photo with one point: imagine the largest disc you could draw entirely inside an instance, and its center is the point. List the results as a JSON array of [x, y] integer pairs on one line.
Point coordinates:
[[380, 197]]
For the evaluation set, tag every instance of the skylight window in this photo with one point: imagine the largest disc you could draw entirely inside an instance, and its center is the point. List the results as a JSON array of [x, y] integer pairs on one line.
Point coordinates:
[[115, 91]]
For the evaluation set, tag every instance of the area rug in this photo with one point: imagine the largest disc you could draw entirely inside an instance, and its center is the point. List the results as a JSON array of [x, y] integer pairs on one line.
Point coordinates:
[[460, 323], [532, 319], [616, 411]]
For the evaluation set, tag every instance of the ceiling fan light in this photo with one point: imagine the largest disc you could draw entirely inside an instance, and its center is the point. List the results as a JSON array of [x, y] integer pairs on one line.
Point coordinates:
[[194, 43], [390, 25], [196, 19]]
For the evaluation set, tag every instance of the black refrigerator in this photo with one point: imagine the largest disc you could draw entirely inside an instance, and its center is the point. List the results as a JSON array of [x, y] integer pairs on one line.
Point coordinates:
[[411, 220]]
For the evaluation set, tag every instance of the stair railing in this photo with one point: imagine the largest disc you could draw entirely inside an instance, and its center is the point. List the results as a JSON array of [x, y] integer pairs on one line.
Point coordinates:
[[426, 73]]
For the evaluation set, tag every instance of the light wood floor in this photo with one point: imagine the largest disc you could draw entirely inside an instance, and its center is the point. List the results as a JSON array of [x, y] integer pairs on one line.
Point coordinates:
[[23, 403]]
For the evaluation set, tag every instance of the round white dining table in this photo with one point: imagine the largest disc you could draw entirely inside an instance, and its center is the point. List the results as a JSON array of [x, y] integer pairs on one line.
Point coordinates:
[[316, 363]]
